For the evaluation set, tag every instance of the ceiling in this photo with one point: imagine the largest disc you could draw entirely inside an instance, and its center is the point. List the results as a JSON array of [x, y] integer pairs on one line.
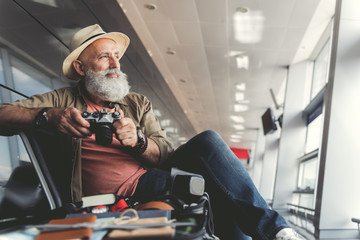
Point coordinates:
[[195, 47]]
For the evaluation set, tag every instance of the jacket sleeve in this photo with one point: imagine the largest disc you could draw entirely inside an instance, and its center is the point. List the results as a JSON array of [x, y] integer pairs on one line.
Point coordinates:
[[150, 125]]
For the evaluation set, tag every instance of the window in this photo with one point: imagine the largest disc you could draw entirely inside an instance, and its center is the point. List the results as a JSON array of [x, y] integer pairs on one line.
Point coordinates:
[[303, 201], [2, 78], [27, 80], [314, 134], [321, 70]]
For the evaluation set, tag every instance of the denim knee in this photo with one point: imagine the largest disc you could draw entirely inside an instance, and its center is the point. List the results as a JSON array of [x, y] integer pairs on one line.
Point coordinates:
[[208, 138]]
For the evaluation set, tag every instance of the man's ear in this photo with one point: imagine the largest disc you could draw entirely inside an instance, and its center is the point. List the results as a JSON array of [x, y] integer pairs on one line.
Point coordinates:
[[79, 67]]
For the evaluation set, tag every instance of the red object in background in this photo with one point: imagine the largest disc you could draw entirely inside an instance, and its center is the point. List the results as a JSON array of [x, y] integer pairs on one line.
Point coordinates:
[[119, 206], [241, 153]]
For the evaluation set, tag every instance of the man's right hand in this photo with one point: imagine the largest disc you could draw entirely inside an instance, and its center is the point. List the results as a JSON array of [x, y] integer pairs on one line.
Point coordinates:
[[69, 121]]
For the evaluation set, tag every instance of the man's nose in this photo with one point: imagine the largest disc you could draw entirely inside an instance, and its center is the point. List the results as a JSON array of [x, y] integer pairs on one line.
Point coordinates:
[[114, 63]]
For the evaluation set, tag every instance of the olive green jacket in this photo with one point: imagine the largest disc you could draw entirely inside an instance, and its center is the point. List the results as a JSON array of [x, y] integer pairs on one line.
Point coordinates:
[[135, 106]]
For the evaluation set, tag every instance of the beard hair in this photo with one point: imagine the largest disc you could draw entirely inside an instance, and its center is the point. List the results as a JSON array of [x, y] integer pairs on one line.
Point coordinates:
[[107, 88]]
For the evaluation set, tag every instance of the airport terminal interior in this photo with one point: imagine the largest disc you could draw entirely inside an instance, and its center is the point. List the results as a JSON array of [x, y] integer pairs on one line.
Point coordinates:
[[279, 80]]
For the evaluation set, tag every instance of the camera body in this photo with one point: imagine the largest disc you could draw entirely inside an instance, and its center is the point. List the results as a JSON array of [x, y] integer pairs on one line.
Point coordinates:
[[101, 123]]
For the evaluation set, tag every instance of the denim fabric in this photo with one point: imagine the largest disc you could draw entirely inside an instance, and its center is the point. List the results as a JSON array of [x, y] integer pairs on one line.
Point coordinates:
[[238, 208], [235, 201], [152, 183]]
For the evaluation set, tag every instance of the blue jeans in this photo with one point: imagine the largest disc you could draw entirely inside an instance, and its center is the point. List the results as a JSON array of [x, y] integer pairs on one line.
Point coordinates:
[[238, 208]]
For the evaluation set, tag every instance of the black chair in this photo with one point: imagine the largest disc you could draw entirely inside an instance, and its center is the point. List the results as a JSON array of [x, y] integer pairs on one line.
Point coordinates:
[[52, 163], [23, 195], [51, 160]]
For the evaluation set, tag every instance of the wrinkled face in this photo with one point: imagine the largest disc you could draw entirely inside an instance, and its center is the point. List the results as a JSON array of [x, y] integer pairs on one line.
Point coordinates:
[[101, 55], [102, 74]]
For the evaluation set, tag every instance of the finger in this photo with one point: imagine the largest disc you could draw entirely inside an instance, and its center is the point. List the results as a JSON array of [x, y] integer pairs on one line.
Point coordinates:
[[126, 136], [121, 113], [124, 123], [76, 116], [72, 130], [69, 123]]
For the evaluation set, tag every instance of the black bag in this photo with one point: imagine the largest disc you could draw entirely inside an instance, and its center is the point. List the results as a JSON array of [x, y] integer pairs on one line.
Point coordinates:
[[198, 212]]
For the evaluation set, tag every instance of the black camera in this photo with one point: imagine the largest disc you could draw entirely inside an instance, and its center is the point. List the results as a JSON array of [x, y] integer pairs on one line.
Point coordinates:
[[101, 123]]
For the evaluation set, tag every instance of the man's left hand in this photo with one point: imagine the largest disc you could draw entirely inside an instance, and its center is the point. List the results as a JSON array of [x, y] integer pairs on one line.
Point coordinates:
[[125, 131]]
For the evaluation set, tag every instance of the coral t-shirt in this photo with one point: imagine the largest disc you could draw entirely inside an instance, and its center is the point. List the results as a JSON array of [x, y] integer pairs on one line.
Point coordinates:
[[108, 169]]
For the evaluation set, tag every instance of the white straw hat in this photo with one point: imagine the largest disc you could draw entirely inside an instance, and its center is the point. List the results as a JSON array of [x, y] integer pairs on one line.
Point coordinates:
[[84, 38]]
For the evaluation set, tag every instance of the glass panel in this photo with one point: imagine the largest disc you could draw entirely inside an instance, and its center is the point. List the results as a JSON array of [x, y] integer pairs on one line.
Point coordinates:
[[309, 174], [2, 78], [314, 134], [307, 200], [321, 69], [295, 198], [22, 154], [28, 80], [13, 152], [5, 160], [300, 175]]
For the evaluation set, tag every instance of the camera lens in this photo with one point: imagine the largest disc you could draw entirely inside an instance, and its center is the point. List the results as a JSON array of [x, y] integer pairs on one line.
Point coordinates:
[[103, 134]]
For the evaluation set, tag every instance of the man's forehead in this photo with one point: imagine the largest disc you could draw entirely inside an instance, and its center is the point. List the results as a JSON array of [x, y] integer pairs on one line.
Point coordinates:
[[101, 45]]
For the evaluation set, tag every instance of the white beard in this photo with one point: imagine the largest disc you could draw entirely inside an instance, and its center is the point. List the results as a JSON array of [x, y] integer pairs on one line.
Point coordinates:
[[106, 88]]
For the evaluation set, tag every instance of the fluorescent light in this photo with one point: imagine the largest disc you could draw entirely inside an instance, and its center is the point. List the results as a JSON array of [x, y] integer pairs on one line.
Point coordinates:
[[241, 86], [240, 108], [157, 112], [242, 62], [165, 122], [239, 127], [234, 53], [239, 96], [248, 26], [171, 130], [237, 119], [236, 136]]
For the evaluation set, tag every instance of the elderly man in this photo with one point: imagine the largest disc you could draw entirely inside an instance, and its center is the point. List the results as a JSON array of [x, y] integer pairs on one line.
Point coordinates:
[[124, 166]]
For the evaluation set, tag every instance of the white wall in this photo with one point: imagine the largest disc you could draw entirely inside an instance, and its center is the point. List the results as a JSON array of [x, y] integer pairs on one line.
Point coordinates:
[[292, 135], [340, 155], [266, 187]]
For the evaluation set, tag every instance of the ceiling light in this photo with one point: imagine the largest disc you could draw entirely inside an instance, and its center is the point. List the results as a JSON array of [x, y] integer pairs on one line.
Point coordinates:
[[171, 130], [170, 51], [237, 119], [236, 136], [241, 86], [242, 62], [165, 122], [234, 140], [234, 53], [239, 127], [150, 6], [240, 108], [150, 53], [157, 112], [239, 96], [248, 26]]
